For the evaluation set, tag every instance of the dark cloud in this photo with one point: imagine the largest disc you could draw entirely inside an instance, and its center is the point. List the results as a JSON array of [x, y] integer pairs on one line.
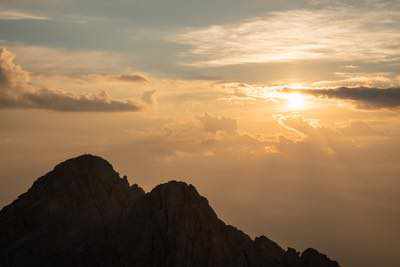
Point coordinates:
[[17, 92], [61, 101], [364, 97]]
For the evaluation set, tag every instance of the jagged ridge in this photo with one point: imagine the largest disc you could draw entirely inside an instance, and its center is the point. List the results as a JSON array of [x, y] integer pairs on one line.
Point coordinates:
[[84, 214]]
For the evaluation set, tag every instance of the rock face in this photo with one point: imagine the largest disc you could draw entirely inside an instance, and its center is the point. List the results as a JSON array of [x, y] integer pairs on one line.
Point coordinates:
[[83, 214]]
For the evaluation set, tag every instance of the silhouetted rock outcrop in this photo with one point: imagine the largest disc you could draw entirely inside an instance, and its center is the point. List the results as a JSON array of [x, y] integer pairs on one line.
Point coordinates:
[[83, 214]]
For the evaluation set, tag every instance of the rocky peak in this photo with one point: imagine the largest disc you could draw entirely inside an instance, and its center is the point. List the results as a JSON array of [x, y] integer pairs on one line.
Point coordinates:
[[76, 183], [78, 194], [84, 169], [83, 213], [85, 161]]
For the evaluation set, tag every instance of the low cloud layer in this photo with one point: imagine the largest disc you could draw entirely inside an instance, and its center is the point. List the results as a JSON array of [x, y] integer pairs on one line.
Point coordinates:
[[365, 98], [17, 92], [62, 101]]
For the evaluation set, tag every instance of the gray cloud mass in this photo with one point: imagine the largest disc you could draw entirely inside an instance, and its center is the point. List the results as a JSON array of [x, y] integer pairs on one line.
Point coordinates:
[[17, 92], [61, 101]]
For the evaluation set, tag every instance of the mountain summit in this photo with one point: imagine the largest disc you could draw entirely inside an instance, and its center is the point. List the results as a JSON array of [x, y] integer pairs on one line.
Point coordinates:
[[83, 213]]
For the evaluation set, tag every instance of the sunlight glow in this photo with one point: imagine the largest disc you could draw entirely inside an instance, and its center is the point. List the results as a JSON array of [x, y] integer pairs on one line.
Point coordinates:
[[291, 101], [295, 101]]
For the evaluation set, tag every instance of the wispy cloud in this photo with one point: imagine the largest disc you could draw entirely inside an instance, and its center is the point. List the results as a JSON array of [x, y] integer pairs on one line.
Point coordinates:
[[360, 79], [19, 15], [60, 61], [340, 34]]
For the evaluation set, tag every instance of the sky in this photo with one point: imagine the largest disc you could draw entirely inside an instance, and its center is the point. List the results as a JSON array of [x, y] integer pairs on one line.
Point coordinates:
[[284, 114]]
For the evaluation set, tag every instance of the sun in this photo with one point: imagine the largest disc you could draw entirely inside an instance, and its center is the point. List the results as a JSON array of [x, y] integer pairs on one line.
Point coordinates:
[[295, 101]]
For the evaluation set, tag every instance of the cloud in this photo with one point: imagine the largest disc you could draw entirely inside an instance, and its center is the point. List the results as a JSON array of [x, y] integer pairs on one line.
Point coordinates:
[[363, 97], [148, 97], [17, 92], [59, 61], [12, 76], [298, 124], [215, 124], [360, 79], [121, 78], [63, 101], [132, 78], [338, 33], [18, 15]]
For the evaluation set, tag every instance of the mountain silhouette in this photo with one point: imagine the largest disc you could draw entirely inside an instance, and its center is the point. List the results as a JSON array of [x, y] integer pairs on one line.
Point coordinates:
[[83, 213]]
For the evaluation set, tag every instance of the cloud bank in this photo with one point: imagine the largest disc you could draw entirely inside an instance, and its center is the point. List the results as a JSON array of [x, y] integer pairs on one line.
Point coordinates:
[[62, 101], [17, 92]]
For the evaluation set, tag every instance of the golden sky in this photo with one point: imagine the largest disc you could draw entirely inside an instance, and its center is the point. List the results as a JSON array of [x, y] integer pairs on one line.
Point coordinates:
[[285, 114]]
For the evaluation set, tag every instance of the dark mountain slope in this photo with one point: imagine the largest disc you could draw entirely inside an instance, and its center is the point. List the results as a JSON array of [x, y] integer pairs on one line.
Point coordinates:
[[83, 214]]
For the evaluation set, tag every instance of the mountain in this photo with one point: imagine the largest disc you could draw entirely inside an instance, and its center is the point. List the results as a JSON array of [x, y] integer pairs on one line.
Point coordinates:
[[83, 213]]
